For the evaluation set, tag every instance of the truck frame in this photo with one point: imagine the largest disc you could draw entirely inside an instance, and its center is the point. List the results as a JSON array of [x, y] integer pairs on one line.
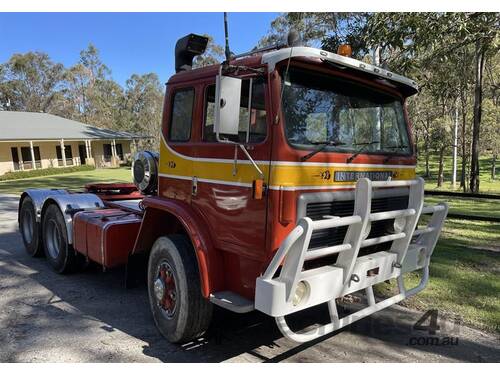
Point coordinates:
[[285, 179]]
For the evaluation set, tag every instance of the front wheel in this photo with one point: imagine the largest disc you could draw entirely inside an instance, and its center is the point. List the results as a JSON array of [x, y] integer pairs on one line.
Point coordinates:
[[179, 310]]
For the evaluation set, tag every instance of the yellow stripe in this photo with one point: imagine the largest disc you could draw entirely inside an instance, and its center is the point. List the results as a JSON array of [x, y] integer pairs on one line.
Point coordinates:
[[302, 175]]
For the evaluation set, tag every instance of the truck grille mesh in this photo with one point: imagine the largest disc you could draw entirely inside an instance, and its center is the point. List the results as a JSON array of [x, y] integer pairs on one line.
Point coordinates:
[[335, 236]]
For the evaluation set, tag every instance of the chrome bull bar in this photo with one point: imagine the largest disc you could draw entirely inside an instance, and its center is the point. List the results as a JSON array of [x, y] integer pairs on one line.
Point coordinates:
[[295, 289]]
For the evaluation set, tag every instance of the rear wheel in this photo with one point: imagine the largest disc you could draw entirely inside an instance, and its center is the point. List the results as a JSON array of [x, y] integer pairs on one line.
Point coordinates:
[[30, 228], [179, 310], [58, 251]]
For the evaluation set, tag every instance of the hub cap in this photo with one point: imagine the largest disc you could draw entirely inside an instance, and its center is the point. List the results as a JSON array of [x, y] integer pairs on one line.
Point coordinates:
[[165, 289]]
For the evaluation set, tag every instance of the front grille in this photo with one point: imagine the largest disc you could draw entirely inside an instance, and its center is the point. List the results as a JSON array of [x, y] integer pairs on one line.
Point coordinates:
[[335, 236]]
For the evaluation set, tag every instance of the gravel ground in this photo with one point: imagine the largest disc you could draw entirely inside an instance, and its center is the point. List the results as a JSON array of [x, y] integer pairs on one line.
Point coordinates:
[[91, 317]]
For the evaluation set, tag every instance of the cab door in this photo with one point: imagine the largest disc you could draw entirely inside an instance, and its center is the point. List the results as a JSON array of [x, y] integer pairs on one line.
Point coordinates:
[[224, 176]]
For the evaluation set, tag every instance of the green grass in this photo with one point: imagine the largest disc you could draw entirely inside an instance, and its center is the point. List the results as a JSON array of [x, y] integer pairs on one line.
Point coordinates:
[[468, 206], [486, 184], [17, 175], [464, 275], [71, 181]]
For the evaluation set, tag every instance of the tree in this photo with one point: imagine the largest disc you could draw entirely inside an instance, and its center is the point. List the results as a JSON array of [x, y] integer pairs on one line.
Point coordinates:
[[31, 82], [421, 38], [143, 106], [214, 54]]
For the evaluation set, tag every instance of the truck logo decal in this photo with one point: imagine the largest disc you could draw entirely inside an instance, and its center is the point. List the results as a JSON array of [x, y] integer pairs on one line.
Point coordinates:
[[345, 176]]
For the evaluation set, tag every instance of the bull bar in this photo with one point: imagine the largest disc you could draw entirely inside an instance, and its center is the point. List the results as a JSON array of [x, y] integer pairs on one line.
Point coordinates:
[[277, 289]]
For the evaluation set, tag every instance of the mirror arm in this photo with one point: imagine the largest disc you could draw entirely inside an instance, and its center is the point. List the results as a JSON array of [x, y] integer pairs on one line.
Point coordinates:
[[250, 84], [235, 163], [251, 160]]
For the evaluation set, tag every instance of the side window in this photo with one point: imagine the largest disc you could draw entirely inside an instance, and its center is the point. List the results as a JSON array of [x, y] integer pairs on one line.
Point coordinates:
[[256, 121], [181, 116]]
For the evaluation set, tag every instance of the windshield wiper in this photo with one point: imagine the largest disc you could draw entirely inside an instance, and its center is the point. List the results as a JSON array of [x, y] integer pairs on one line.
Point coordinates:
[[365, 145], [322, 146]]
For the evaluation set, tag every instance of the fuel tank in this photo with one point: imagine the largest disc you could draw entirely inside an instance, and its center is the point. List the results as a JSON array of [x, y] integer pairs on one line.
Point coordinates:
[[105, 236]]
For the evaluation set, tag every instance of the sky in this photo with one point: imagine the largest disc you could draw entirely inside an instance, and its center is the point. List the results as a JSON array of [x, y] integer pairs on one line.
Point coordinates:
[[128, 42]]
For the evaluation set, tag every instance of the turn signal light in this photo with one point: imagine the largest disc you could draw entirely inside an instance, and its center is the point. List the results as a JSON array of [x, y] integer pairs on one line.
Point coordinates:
[[258, 188], [344, 50]]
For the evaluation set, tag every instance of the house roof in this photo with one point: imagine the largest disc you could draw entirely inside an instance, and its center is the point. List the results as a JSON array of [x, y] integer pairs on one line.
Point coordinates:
[[44, 126]]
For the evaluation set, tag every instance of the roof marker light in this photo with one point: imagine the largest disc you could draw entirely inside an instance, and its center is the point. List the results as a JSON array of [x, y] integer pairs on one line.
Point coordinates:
[[344, 50]]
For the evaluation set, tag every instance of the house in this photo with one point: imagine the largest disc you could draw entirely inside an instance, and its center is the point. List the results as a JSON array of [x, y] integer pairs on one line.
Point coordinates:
[[30, 140]]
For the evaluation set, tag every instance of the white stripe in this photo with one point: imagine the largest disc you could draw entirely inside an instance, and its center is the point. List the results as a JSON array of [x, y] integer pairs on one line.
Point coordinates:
[[176, 176], [286, 163], [298, 188], [352, 165], [249, 185], [207, 180]]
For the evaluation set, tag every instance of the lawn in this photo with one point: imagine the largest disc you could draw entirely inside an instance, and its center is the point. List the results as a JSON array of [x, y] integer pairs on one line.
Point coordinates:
[[479, 207], [486, 184], [71, 181], [468, 206], [464, 275]]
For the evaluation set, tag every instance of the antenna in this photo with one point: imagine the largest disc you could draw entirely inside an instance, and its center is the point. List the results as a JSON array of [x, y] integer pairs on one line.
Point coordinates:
[[227, 50]]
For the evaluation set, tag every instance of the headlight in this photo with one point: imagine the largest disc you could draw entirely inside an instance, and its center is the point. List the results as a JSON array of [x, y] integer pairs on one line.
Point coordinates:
[[301, 292]]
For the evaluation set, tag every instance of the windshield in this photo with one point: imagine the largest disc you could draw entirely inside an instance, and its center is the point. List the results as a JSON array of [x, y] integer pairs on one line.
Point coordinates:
[[347, 116]]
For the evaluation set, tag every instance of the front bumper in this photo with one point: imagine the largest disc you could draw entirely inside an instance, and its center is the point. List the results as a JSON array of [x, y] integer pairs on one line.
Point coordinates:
[[277, 293]]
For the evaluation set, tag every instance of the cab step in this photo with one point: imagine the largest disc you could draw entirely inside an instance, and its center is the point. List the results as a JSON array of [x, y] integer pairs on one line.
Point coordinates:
[[232, 301]]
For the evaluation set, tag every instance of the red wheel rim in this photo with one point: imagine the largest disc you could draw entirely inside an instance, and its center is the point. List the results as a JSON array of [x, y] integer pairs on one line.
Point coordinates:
[[165, 289]]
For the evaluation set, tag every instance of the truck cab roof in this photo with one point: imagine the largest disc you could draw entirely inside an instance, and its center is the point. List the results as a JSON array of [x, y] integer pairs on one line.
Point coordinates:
[[271, 60]]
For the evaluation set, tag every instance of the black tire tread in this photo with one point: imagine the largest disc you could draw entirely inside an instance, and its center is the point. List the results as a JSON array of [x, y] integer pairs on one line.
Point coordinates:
[[70, 263], [200, 309], [35, 249]]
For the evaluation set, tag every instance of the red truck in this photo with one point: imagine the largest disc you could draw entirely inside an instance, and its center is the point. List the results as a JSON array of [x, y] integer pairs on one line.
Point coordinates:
[[285, 179]]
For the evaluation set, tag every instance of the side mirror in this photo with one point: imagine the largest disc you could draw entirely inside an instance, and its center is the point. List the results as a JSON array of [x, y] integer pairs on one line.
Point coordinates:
[[227, 106]]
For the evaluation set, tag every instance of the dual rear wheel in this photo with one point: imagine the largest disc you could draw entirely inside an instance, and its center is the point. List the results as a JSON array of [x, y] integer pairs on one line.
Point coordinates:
[[47, 237]]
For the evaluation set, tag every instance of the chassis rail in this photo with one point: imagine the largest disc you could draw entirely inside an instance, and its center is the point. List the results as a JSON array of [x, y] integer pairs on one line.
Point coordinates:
[[278, 293]]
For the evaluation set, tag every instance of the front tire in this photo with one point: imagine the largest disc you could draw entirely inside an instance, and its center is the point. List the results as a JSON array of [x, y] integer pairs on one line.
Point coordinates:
[[30, 228], [58, 251], [179, 310]]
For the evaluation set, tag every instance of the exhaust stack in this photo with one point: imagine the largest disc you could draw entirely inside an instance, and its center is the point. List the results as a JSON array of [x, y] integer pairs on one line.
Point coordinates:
[[186, 49]]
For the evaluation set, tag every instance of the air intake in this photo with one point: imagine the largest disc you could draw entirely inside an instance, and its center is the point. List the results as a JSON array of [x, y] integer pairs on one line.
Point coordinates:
[[186, 49]]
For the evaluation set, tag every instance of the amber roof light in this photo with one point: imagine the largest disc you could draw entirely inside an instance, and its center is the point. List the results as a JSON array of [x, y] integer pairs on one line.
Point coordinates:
[[344, 50]]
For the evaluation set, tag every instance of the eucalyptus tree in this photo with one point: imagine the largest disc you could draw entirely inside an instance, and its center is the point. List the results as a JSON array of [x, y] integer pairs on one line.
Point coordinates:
[[143, 106], [214, 54], [31, 82], [419, 39]]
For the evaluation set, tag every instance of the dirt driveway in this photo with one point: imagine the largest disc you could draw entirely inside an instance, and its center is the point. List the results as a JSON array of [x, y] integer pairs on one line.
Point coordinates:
[[91, 317]]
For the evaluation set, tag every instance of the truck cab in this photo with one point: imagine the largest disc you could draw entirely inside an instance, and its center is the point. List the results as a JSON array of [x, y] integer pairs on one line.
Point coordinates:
[[285, 179]]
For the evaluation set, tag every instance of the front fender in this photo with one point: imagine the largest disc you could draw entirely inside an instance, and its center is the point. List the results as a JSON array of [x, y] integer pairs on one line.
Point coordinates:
[[165, 216]]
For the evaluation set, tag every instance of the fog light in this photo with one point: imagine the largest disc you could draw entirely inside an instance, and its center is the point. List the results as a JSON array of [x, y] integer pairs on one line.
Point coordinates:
[[301, 293], [399, 224]]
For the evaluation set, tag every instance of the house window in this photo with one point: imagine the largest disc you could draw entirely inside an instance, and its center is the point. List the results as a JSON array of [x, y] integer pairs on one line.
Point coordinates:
[[181, 116], [67, 153], [26, 157]]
